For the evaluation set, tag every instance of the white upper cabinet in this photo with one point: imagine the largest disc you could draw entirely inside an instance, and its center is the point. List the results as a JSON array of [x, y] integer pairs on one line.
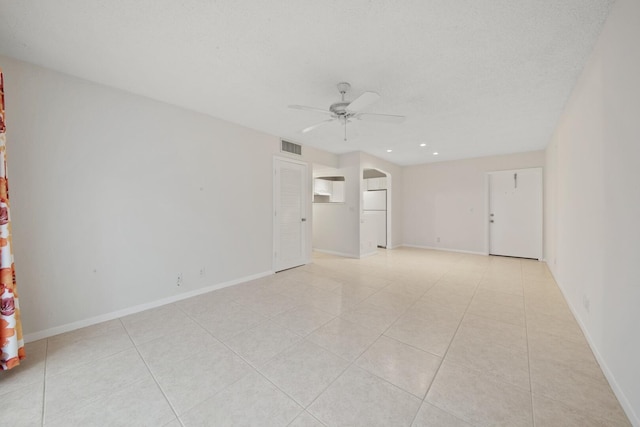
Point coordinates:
[[376, 183], [328, 189], [322, 187], [337, 193]]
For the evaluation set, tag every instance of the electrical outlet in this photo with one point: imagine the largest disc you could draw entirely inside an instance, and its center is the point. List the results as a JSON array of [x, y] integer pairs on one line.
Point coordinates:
[[179, 282], [438, 240], [203, 272]]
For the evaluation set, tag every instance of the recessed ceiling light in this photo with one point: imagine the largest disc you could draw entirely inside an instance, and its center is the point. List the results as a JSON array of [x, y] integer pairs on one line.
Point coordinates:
[[423, 145], [388, 151], [435, 153]]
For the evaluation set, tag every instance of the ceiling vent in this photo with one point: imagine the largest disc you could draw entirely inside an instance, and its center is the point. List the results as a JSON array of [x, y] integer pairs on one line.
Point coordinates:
[[290, 147]]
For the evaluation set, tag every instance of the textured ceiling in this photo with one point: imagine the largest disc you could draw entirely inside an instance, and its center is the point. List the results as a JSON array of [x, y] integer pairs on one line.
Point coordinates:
[[474, 77]]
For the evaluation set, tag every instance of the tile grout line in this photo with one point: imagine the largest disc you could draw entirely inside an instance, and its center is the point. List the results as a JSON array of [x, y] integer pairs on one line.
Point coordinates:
[[228, 348], [555, 399], [412, 346], [304, 411], [91, 400], [349, 364], [352, 363], [151, 373], [257, 325], [304, 408], [253, 368], [44, 381], [279, 389], [257, 370], [475, 291], [526, 332]]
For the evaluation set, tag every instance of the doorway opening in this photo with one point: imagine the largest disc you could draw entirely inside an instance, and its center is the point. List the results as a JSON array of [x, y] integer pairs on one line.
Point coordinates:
[[375, 226], [332, 232]]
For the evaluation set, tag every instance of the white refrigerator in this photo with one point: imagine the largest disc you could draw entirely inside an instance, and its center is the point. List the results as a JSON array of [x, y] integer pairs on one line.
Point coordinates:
[[375, 210]]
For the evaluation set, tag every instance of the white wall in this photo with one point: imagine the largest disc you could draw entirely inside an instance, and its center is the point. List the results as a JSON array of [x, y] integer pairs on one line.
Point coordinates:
[[593, 201], [336, 226], [449, 200], [328, 218], [113, 194]]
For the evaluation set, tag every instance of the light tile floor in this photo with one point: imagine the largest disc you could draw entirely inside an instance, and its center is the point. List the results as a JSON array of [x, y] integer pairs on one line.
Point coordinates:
[[404, 338]]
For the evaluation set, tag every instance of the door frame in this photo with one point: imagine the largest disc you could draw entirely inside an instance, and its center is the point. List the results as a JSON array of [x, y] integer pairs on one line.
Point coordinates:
[[389, 198], [487, 208], [307, 209]]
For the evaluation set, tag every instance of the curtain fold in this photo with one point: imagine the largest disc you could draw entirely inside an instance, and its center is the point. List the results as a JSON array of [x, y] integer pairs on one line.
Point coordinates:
[[11, 340]]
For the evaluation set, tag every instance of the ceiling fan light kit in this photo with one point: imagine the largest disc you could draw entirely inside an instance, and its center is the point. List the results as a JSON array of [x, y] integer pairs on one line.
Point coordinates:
[[345, 111]]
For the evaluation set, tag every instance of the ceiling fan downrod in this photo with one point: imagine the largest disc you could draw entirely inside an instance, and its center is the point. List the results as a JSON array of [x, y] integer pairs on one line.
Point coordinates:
[[343, 88], [345, 129]]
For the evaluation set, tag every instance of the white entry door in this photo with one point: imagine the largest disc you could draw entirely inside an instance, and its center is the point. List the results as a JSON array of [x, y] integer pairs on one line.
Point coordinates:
[[290, 214], [515, 213]]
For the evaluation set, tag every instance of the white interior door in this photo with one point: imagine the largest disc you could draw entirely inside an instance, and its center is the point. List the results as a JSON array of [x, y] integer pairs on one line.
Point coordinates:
[[290, 214], [515, 213]]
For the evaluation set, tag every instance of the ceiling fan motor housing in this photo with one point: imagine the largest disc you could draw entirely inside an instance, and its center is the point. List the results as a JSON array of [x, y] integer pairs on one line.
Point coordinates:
[[339, 108]]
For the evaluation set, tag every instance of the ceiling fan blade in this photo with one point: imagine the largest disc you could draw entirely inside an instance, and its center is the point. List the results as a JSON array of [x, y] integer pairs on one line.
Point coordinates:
[[384, 118], [317, 125], [362, 102], [314, 109]]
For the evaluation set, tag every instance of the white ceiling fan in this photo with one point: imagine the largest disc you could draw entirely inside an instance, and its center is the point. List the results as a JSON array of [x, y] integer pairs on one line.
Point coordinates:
[[345, 111]]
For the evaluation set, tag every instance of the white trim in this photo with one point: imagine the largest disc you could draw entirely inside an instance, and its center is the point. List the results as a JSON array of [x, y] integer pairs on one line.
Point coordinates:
[[488, 208], [137, 308], [487, 212], [389, 208], [389, 191], [289, 159], [307, 193], [617, 390], [368, 254], [462, 251], [343, 254], [515, 170]]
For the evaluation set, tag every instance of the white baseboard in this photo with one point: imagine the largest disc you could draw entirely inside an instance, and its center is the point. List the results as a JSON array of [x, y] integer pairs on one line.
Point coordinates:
[[368, 254], [622, 398], [137, 308], [444, 249], [335, 253]]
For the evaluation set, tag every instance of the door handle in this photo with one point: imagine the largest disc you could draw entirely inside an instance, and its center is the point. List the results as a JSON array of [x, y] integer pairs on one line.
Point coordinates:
[[491, 221], [303, 219]]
